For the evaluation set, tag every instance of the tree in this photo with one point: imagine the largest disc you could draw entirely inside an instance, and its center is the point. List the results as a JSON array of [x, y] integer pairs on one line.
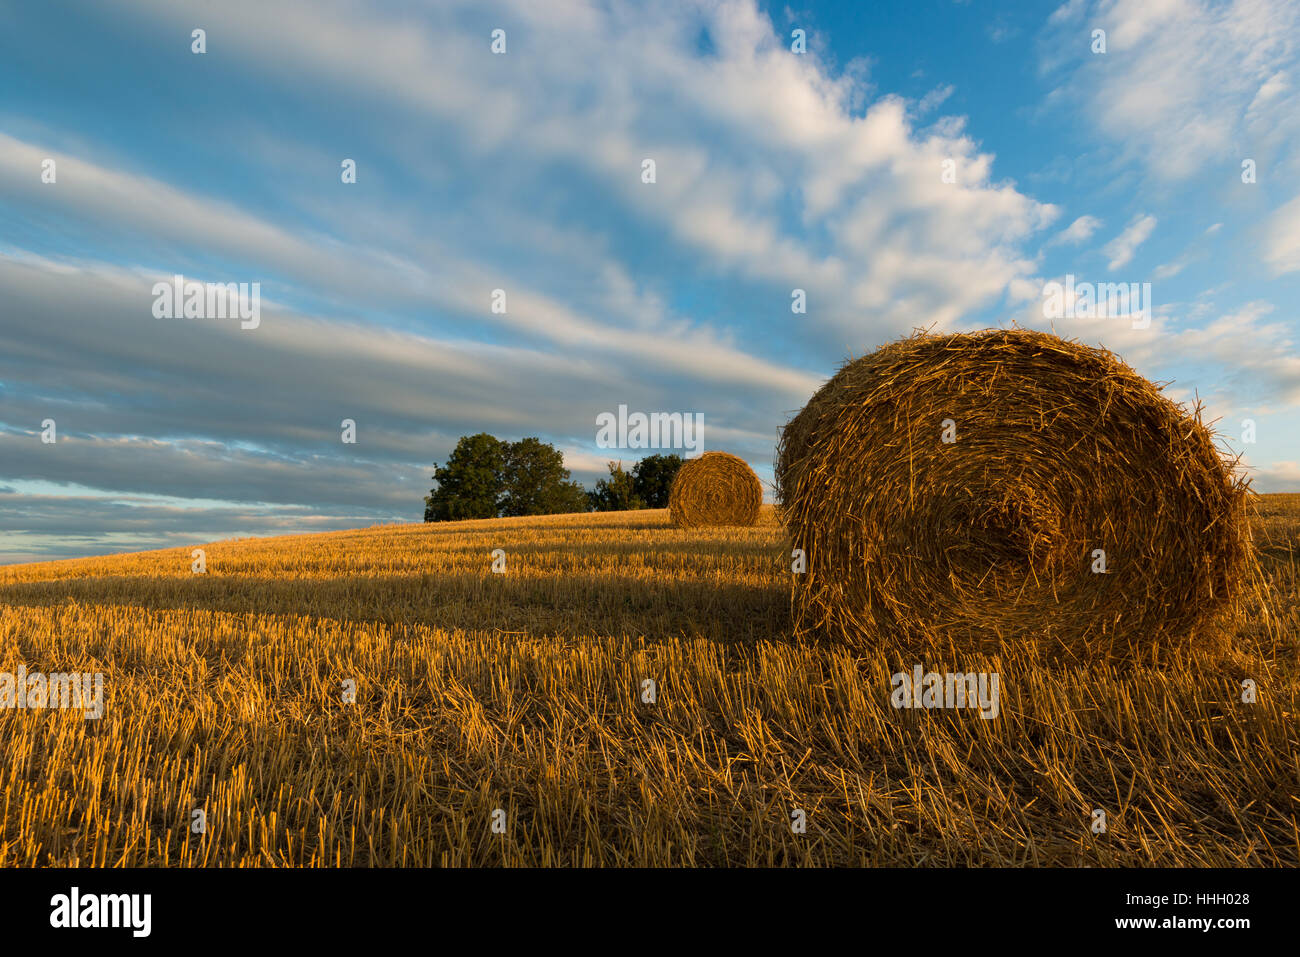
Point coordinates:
[[471, 484], [486, 478], [652, 479], [536, 481], [616, 493]]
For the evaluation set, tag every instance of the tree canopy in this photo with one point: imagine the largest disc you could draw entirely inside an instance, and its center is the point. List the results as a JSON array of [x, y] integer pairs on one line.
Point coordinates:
[[616, 493], [486, 478], [470, 485], [652, 479], [535, 481]]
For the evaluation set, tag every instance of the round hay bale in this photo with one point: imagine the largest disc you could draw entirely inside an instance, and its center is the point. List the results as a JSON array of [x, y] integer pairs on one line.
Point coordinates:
[[715, 489], [1005, 486]]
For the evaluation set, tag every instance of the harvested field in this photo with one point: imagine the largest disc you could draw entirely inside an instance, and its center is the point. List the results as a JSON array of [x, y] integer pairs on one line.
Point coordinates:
[[524, 692]]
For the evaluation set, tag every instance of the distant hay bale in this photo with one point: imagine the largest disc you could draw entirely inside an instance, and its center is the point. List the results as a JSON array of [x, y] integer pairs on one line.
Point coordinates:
[[1008, 485], [715, 489]]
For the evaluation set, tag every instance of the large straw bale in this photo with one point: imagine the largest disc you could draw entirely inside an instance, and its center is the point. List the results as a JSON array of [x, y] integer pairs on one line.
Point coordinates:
[[1058, 453]]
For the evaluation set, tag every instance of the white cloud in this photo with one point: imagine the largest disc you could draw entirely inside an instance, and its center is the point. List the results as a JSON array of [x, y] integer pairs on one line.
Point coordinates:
[[1122, 247], [105, 199], [1241, 359], [751, 127], [1185, 85], [1249, 361], [1079, 231], [1066, 12], [934, 99], [1282, 239], [1279, 477]]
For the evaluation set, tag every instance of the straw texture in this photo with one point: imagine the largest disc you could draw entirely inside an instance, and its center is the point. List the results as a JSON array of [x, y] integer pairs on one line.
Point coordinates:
[[1058, 453], [715, 489]]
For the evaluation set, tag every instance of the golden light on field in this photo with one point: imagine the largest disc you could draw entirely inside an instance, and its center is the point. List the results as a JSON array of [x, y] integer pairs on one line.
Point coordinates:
[[525, 692]]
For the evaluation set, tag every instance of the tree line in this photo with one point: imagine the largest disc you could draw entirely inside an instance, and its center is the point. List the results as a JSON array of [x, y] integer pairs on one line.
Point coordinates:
[[486, 477]]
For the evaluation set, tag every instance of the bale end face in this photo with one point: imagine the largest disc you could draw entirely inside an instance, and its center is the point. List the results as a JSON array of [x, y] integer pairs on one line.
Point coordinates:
[[1008, 486], [715, 489]]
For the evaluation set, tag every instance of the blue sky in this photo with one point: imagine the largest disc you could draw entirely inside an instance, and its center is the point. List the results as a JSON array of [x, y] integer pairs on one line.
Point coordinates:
[[521, 171]]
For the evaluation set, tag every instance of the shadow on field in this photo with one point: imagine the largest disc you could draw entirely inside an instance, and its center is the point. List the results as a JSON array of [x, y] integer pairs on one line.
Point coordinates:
[[567, 605]]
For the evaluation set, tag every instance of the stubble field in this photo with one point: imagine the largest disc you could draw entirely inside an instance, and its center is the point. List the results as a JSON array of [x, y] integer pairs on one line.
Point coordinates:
[[523, 693]]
